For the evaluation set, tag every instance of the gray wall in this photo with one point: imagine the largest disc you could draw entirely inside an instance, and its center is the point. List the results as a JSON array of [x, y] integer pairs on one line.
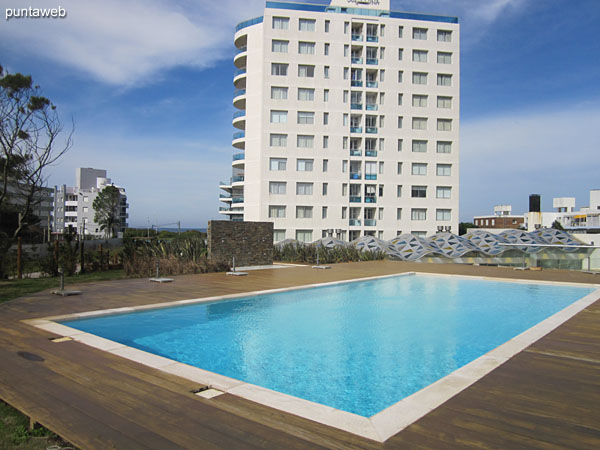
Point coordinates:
[[250, 242]]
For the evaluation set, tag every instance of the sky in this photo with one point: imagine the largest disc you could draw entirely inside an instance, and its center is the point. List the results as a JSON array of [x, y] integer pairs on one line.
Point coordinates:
[[148, 84]]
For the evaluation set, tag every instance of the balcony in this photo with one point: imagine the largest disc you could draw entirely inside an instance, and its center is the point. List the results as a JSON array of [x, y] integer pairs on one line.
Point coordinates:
[[372, 153], [357, 37], [372, 84], [239, 98], [356, 83], [354, 222], [239, 78], [356, 60], [355, 129], [225, 197], [237, 179], [238, 160], [371, 107], [356, 152], [224, 208], [248, 23], [355, 175], [372, 61], [355, 199], [370, 176], [238, 156], [372, 38], [239, 120], [370, 222], [240, 58], [371, 130], [225, 185], [237, 200], [370, 199], [355, 105], [239, 140]]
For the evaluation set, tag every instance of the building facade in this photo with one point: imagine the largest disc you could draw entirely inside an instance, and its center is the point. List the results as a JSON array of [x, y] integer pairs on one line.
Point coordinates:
[[73, 205], [348, 119], [501, 219]]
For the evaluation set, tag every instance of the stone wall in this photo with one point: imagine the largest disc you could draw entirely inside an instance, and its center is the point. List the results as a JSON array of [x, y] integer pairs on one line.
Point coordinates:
[[250, 242]]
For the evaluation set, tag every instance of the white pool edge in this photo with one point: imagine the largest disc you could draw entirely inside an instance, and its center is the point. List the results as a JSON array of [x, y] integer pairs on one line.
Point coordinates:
[[378, 427]]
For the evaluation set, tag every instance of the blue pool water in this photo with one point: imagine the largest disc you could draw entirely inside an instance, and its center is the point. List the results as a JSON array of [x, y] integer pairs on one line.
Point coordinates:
[[359, 347]]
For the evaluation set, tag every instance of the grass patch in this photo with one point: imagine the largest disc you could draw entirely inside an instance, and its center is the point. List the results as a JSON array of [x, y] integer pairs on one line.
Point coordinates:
[[15, 432], [10, 289]]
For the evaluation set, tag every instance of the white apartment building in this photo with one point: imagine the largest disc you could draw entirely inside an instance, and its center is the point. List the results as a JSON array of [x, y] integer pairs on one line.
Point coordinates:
[[349, 121], [73, 204]]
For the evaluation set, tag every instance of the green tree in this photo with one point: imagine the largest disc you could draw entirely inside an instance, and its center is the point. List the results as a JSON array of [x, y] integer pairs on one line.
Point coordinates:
[[106, 207], [557, 225], [463, 227]]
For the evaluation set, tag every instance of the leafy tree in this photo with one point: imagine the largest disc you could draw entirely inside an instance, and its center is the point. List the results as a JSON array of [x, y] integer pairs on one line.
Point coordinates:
[[463, 227], [557, 225], [106, 207]]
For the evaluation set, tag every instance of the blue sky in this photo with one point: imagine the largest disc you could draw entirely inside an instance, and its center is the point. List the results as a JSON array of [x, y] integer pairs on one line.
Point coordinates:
[[149, 85]]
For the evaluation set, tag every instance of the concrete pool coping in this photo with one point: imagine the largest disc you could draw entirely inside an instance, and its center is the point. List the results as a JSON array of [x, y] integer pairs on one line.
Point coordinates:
[[378, 427]]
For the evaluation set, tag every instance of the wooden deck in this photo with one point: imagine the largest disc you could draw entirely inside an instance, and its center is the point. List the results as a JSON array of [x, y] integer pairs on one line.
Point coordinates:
[[546, 397]]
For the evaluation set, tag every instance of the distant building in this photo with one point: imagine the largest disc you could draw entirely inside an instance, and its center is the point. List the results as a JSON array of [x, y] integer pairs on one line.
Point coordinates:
[[501, 219], [41, 206], [73, 204], [584, 221]]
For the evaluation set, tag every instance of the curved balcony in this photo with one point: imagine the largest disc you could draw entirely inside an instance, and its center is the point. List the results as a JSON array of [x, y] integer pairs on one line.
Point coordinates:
[[239, 79], [239, 98], [237, 180], [248, 23], [239, 120], [239, 140], [238, 160], [240, 58]]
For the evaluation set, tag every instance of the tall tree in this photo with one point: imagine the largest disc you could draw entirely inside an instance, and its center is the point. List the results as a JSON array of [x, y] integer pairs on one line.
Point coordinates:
[[106, 210]]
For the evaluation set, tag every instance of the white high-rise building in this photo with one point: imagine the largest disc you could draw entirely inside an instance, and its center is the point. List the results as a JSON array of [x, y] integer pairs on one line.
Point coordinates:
[[349, 121]]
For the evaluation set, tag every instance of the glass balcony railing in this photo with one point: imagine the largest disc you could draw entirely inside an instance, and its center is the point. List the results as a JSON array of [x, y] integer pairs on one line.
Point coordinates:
[[357, 60], [238, 156], [370, 152], [355, 105], [224, 208], [356, 83], [370, 176], [237, 178], [371, 107], [354, 222], [357, 37], [372, 61], [355, 129], [368, 199], [355, 199], [237, 200], [239, 92], [248, 23], [239, 72], [239, 114], [371, 130], [371, 84], [239, 135], [355, 175], [370, 222], [241, 50], [355, 152], [224, 195], [372, 38]]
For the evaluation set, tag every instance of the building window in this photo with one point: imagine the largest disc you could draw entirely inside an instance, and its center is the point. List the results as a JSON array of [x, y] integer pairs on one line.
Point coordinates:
[[400, 118], [420, 56], [444, 102], [279, 93], [399, 215], [346, 50], [304, 212], [400, 99], [444, 147], [279, 46], [419, 101], [306, 48], [419, 146], [277, 187], [306, 118], [278, 235], [325, 141], [306, 71], [381, 144], [304, 189], [444, 58], [444, 124], [381, 164], [399, 191], [399, 169], [324, 212], [304, 235], [325, 118], [306, 94], [278, 140], [276, 212], [419, 123], [442, 215], [444, 36], [419, 78], [418, 192], [304, 165], [400, 144], [400, 76], [305, 141], [306, 24], [400, 31], [444, 79], [325, 186], [346, 73], [400, 54], [418, 214], [279, 69], [419, 169], [280, 23], [278, 116], [86, 198], [326, 49], [326, 72], [325, 165], [420, 34], [276, 164], [85, 209], [327, 26], [325, 95], [444, 170], [443, 192], [381, 53]]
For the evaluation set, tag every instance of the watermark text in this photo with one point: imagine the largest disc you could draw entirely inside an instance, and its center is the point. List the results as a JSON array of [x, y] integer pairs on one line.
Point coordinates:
[[35, 13]]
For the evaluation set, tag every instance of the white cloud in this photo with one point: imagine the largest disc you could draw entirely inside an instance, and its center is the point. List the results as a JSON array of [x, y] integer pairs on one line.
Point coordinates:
[[552, 152], [127, 42]]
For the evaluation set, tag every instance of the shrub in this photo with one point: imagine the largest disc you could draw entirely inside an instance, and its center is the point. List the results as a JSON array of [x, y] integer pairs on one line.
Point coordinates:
[[307, 253]]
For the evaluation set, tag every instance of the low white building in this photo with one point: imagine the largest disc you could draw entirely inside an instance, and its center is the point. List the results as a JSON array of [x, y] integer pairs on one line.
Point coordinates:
[[73, 205]]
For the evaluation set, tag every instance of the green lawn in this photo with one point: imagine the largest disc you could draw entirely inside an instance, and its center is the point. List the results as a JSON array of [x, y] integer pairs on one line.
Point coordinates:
[[10, 289], [15, 433]]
